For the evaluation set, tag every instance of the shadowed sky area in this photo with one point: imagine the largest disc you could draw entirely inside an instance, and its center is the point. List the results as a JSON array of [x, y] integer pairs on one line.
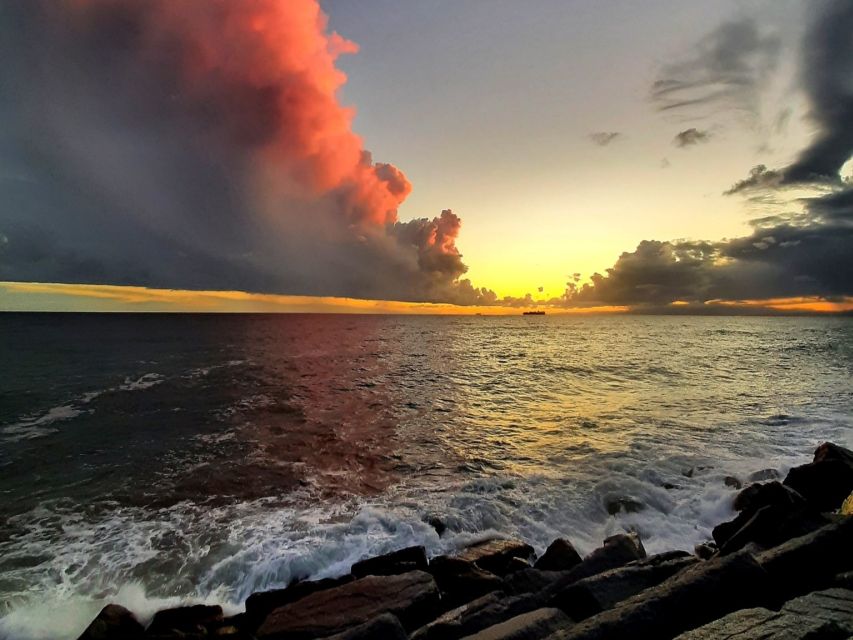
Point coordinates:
[[657, 156]]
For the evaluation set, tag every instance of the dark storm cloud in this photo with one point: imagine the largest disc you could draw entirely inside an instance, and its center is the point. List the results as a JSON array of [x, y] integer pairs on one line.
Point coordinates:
[[604, 138], [690, 137], [726, 69]]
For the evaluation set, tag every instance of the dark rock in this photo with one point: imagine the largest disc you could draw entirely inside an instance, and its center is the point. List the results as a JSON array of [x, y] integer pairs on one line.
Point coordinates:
[[758, 495], [764, 474], [196, 619], [559, 556], [826, 481], [823, 614], [534, 625], [230, 632], [461, 581], [660, 558], [705, 550], [494, 555], [530, 580], [597, 593], [811, 561], [731, 481], [412, 597], [260, 604], [396, 562], [114, 622], [437, 523], [770, 526], [616, 551], [685, 601], [618, 505], [475, 616], [516, 564], [844, 580], [669, 486], [384, 627]]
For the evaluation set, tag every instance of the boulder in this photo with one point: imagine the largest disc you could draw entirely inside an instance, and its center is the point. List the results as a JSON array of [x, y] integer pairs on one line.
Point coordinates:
[[764, 474], [114, 622], [616, 551], [402, 561], [412, 597], [516, 564], [260, 604], [494, 555], [847, 506], [826, 481], [623, 504], [461, 581], [475, 616], [766, 494], [559, 556], [534, 625], [436, 523], [691, 598], [705, 550], [823, 614], [731, 481], [384, 627], [811, 561], [195, 619], [595, 594], [531, 580]]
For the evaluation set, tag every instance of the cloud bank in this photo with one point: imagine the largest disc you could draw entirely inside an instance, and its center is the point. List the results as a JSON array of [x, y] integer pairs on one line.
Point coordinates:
[[201, 145]]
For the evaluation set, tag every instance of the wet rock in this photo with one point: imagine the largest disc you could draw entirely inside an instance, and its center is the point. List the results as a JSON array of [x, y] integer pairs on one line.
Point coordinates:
[[412, 597], [531, 580], [516, 564], [731, 481], [705, 550], [823, 614], [847, 506], [615, 506], [559, 556], [776, 494], [396, 562], [844, 580], [114, 622], [826, 481], [494, 555], [534, 625], [691, 598], [384, 627], [461, 581], [764, 474], [436, 523], [616, 551], [260, 604], [811, 561], [195, 619], [597, 593], [455, 623], [770, 526]]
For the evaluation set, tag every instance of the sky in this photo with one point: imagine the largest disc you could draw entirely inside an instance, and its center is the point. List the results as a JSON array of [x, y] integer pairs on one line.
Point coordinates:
[[663, 156]]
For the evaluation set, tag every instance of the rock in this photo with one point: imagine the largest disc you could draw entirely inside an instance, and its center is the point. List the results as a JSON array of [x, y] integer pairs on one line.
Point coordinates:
[[759, 495], [260, 604], [559, 556], [844, 580], [114, 622], [823, 614], [618, 505], [516, 564], [764, 474], [384, 627], [826, 481], [461, 581], [534, 625], [475, 616], [847, 506], [660, 558], [412, 597], [691, 598], [402, 561], [731, 481], [616, 551], [530, 580], [436, 523], [705, 550], [597, 593], [494, 555], [811, 561], [195, 619]]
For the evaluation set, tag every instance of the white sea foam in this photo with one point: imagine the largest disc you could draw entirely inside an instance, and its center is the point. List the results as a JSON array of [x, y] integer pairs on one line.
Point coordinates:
[[38, 426]]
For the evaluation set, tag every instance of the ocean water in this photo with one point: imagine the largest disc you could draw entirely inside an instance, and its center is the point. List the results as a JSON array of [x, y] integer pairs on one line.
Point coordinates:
[[157, 459]]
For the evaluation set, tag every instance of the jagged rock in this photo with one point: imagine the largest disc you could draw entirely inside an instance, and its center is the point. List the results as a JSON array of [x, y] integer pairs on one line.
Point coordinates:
[[114, 622], [516, 564], [597, 593], [766, 494], [811, 561], [847, 506], [660, 558], [559, 556], [764, 474], [475, 616], [260, 604], [534, 625], [823, 614], [402, 561], [705, 550], [384, 627], [436, 523], [689, 599], [826, 481], [494, 555], [616, 551], [731, 481], [412, 597], [530, 580], [195, 619], [461, 581], [628, 505]]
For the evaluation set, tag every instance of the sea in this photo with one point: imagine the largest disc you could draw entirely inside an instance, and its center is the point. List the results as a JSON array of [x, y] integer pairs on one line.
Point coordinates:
[[159, 459]]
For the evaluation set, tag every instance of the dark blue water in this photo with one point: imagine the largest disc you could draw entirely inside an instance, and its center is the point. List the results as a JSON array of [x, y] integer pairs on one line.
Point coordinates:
[[150, 459]]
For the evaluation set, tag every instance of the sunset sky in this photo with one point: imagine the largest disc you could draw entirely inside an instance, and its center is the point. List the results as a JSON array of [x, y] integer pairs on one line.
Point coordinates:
[[700, 151]]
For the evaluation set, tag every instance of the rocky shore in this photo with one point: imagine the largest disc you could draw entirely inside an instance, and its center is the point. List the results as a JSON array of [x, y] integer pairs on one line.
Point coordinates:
[[782, 568]]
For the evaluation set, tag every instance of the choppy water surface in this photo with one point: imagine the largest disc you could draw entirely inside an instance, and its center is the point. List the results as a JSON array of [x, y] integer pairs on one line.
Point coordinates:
[[151, 460]]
